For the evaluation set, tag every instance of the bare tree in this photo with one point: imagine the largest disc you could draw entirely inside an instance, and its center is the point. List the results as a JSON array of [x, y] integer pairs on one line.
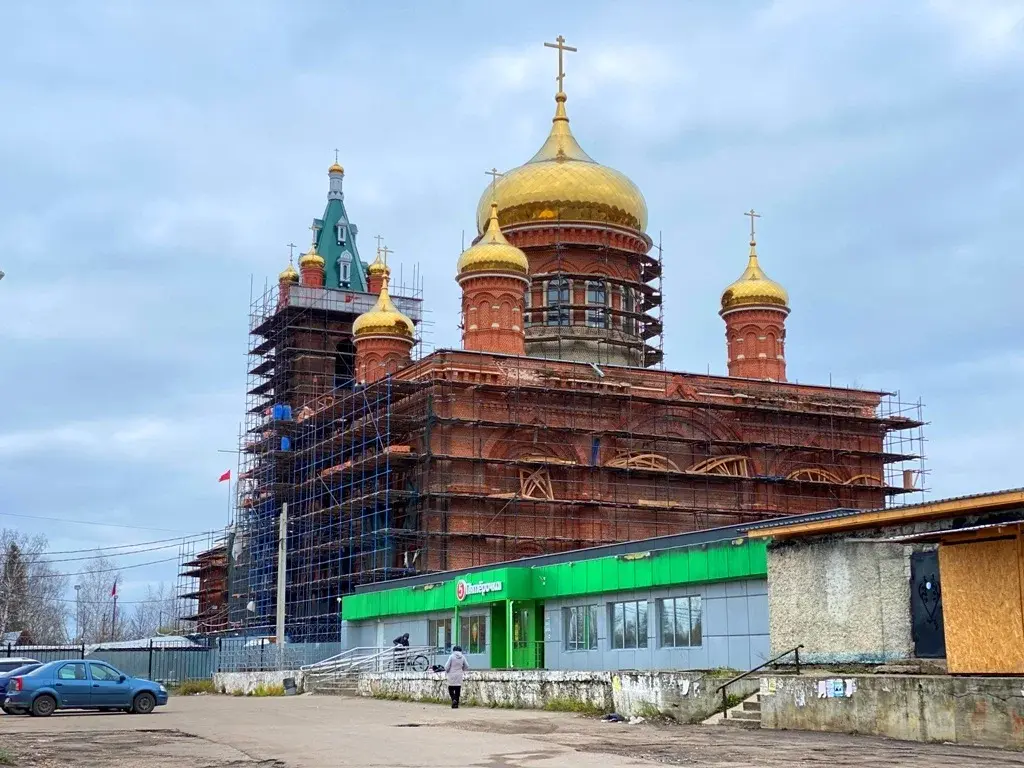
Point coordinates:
[[98, 620], [156, 614], [31, 589]]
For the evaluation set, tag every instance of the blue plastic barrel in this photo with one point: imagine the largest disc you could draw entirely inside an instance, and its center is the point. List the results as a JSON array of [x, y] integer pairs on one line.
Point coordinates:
[[278, 411], [286, 443]]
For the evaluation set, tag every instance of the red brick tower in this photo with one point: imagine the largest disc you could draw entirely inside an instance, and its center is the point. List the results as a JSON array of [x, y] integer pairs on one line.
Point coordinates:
[[312, 266], [754, 309], [383, 338], [494, 278]]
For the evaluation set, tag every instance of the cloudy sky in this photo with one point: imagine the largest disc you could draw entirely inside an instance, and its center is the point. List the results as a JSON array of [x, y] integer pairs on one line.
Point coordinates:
[[155, 159]]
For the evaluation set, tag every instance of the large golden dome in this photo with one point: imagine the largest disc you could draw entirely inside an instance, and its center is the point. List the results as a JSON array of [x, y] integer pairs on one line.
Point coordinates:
[[754, 288], [384, 319], [493, 252], [562, 182]]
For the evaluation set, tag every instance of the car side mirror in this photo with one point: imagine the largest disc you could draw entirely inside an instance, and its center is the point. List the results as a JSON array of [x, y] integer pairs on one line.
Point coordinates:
[[122, 679]]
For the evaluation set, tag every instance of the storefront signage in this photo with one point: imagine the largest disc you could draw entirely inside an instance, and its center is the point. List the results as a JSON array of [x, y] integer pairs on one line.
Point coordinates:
[[464, 589]]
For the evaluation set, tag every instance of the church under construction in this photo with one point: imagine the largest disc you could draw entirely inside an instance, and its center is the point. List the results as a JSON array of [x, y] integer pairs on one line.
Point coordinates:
[[555, 427]]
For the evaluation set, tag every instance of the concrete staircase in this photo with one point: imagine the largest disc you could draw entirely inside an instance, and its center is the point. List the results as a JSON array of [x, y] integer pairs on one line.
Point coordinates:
[[746, 714], [333, 686]]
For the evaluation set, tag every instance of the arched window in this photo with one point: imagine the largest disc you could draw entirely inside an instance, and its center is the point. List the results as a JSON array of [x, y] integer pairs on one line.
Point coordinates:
[[340, 232], [597, 296], [558, 301], [345, 269]]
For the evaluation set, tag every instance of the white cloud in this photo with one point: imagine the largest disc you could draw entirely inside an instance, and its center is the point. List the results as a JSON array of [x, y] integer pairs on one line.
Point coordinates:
[[985, 30]]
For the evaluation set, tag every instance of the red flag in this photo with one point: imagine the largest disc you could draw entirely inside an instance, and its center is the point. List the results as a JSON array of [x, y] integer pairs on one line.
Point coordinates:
[[225, 476], [113, 592]]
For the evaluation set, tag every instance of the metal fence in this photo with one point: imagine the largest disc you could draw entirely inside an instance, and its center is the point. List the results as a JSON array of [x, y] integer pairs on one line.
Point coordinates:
[[241, 654], [162, 662], [174, 663]]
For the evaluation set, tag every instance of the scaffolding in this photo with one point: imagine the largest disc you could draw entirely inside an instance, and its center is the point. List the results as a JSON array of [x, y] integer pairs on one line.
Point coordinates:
[[466, 459]]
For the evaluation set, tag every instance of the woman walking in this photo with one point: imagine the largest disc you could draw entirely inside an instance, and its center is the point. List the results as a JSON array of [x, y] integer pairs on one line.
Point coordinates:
[[455, 668]]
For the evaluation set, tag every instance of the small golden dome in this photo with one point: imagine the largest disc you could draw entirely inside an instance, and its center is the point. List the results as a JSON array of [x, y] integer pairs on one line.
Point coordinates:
[[289, 275], [754, 288], [311, 258], [378, 267], [563, 182], [493, 252], [383, 320], [335, 168]]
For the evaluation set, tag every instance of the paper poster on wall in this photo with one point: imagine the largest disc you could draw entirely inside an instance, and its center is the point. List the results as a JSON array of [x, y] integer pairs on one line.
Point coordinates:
[[836, 689], [684, 687], [801, 700], [822, 689], [772, 685], [547, 627], [851, 687]]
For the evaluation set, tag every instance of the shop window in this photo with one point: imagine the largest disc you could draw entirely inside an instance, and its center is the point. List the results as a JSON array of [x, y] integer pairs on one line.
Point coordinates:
[[439, 633], [629, 624], [597, 295], [580, 627], [473, 634], [558, 298], [679, 622]]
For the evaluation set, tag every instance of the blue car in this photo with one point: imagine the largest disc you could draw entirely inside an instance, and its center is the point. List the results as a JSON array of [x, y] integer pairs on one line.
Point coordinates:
[[77, 684], [5, 679]]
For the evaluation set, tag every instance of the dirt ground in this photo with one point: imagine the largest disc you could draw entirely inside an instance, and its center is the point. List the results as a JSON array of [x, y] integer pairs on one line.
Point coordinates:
[[323, 731]]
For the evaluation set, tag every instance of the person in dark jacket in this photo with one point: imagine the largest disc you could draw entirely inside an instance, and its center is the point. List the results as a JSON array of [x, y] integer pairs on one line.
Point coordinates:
[[401, 651], [455, 668]]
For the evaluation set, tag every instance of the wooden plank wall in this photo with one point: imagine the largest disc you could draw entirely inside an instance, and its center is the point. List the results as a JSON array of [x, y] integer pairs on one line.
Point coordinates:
[[982, 608]]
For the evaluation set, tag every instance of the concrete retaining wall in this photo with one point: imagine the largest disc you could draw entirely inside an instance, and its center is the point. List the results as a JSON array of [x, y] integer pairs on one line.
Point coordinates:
[[684, 696], [846, 601], [237, 683], [974, 711]]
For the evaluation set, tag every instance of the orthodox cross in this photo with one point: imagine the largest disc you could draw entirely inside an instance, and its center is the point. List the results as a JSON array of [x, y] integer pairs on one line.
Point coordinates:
[[378, 238], [753, 215], [561, 46], [291, 251], [385, 250], [335, 155], [314, 229], [494, 173]]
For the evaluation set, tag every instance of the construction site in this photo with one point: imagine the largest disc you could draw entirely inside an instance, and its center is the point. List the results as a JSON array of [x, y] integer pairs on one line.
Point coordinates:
[[556, 427]]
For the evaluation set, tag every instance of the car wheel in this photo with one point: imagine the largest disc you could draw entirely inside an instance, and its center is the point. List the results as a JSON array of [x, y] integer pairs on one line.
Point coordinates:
[[143, 704], [43, 706]]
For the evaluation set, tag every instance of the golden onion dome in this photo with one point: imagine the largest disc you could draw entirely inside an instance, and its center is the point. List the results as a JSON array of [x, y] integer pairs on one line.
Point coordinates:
[[335, 168], [289, 275], [384, 319], [311, 258], [562, 182], [378, 267], [754, 288], [492, 252]]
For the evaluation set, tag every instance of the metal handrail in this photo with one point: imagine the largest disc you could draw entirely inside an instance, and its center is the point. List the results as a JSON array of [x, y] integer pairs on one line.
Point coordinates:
[[727, 683]]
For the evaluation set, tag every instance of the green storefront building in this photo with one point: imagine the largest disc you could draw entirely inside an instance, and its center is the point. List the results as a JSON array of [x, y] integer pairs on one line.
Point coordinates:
[[691, 601]]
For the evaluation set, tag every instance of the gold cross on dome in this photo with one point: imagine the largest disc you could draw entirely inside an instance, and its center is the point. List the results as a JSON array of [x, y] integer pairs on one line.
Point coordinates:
[[379, 239], [385, 250], [753, 215], [291, 251], [561, 46], [494, 173], [336, 155], [314, 229]]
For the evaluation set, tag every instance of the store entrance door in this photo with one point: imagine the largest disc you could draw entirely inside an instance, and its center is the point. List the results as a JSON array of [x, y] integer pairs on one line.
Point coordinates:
[[527, 644]]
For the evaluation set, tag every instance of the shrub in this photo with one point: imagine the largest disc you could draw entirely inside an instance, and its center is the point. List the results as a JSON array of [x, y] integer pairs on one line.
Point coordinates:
[[268, 690], [6, 758], [192, 687]]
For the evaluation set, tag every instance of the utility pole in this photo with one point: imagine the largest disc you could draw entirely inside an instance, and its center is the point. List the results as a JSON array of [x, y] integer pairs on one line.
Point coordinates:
[[282, 564], [78, 613]]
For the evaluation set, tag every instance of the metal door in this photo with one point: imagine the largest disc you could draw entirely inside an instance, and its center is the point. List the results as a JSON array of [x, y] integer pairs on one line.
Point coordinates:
[[926, 606]]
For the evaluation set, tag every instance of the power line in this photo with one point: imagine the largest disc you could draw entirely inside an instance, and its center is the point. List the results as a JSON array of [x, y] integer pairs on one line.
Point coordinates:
[[103, 570], [89, 522], [95, 556], [176, 540]]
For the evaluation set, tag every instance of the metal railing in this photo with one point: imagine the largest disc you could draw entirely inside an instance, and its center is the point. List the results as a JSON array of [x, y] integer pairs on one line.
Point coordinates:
[[355, 661], [748, 673]]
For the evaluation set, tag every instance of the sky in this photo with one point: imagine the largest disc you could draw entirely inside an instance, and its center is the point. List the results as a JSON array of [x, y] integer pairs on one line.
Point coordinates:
[[156, 158]]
